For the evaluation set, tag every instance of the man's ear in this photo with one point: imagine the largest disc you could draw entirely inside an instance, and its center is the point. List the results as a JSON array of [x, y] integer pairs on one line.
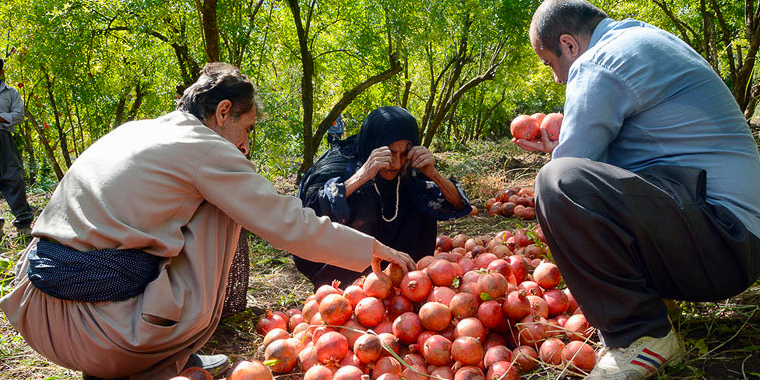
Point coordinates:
[[223, 112], [570, 45]]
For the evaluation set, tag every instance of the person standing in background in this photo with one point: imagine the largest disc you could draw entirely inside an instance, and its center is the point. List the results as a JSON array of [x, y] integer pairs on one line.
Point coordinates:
[[11, 169]]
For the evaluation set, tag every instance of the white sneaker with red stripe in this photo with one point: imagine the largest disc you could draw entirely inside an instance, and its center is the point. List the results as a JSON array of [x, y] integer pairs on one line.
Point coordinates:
[[643, 358]]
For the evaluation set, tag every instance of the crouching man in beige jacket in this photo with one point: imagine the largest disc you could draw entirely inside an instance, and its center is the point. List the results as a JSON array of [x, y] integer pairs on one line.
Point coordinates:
[[125, 277]]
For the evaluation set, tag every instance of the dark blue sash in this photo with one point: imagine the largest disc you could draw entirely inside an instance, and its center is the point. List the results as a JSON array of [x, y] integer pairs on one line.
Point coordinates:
[[93, 276]]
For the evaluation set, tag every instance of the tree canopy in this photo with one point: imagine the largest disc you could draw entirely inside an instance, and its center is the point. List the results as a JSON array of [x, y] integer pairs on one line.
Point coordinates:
[[464, 68]]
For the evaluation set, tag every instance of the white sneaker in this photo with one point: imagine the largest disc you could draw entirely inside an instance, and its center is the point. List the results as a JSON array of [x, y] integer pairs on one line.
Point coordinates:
[[645, 357]]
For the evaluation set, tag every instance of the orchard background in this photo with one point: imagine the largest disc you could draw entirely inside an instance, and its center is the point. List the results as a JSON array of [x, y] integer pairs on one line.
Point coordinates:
[[464, 68]]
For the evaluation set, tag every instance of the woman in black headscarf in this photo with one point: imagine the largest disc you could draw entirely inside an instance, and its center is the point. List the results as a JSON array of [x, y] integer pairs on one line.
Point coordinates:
[[383, 183]]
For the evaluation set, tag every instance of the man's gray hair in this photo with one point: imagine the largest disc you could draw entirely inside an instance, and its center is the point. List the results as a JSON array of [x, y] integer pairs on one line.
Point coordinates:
[[219, 81]]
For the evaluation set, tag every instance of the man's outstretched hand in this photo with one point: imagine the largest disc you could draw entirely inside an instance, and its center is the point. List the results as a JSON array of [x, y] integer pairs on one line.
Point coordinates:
[[383, 252], [540, 144]]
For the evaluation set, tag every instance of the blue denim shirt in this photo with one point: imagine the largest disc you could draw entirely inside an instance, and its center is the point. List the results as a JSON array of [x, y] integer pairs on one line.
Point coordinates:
[[11, 107], [640, 96]]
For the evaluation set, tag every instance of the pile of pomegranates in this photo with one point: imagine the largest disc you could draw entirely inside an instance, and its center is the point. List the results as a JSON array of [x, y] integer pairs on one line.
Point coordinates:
[[476, 308], [516, 201]]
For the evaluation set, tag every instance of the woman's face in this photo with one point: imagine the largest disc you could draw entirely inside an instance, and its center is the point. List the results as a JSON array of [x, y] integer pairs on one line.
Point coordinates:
[[399, 151]]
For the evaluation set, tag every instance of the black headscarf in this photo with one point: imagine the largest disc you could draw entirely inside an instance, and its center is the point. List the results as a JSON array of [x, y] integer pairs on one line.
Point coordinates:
[[382, 127]]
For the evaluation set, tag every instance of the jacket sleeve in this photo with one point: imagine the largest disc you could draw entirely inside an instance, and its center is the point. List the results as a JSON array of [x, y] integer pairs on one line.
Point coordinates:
[[16, 113], [227, 180]]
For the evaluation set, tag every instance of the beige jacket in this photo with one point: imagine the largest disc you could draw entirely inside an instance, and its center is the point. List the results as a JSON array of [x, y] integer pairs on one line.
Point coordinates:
[[174, 188]]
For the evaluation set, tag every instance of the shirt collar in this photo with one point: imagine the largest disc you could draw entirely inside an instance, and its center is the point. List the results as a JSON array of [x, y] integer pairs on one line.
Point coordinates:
[[599, 31]]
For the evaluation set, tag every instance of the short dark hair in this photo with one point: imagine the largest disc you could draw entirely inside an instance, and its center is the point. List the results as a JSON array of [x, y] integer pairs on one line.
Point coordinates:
[[219, 81], [554, 18]]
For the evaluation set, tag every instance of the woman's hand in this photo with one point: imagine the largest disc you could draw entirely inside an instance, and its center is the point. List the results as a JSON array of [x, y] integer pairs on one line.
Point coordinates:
[[383, 252], [420, 157], [379, 159]]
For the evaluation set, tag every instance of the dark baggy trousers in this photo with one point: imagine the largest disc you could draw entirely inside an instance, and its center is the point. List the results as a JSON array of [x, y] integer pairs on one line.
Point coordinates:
[[12, 180], [624, 240]]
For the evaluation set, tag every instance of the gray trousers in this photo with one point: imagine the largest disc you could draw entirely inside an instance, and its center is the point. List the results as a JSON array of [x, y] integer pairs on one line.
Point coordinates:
[[12, 180], [624, 240]]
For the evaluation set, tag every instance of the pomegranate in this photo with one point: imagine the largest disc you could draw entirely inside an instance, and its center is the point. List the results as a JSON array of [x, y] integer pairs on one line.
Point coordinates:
[[275, 334], [284, 353], [531, 288], [519, 267], [195, 373], [308, 357], [295, 321], [526, 358], [552, 123], [497, 354], [435, 316], [370, 312], [459, 240], [390, 342], [470, 327], [318, 372], [539, 116], [463, 305], [557, 301], [516, 306], [441, 294], [398, 305], [309, 309], [416, 286], [368, 348], [386, 364], [441, 272], [407, 327], [269, 322], [467, 350], [469, 373], [580, 355], [577, 327], [494, 339], [415, 372], [395, 272], [335, 309], [572, 304], [443, 243], [250, 370], [551, 351], [347, 372], [489, 313], [377, 285], [547, 275], [524, 127], [352, 331], [503, 371], [354, 294], [493, 284], [437, 350], [531, 331], [442, 372], [424, 262], [331, 347], [325, 290], [538, 306], [466, 264]]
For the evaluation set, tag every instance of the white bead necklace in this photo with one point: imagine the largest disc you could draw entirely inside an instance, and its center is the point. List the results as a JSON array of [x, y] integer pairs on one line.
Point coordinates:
[[382, 212]]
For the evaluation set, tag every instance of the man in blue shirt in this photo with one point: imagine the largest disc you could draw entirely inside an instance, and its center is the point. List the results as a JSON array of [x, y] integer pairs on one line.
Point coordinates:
[[11, 169], [653, 188]]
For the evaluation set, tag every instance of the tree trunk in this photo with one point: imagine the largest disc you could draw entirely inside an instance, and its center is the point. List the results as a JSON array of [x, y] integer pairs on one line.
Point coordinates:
[[209, 28], [32, 165], [46, 144], [58, 126]]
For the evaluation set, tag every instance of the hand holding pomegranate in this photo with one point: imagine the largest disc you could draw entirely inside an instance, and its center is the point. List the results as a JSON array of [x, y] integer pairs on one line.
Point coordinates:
[[384, 253], [541, 144]]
